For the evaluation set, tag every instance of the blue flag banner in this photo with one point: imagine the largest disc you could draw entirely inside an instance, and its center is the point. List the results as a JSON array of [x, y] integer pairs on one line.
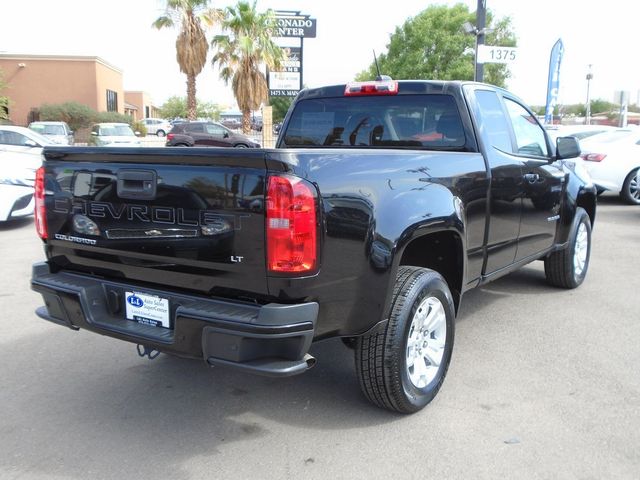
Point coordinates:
[[553, 84]]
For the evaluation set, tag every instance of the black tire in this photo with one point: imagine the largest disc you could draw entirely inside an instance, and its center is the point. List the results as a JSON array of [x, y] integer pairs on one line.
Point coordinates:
[[630, 192], [160, 133], [381, 356], [241, 145], [560, 266]]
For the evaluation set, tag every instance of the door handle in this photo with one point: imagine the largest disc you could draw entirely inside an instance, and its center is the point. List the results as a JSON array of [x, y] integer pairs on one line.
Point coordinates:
[[531, 177]]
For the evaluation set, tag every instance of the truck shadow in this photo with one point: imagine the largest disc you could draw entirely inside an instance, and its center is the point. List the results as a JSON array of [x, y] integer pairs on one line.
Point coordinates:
[[95, 395], [16, 223]]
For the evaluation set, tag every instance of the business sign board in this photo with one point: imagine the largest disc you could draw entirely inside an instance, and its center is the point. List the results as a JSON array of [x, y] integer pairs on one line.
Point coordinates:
[[491, 54], [287, 81], [294, 25]]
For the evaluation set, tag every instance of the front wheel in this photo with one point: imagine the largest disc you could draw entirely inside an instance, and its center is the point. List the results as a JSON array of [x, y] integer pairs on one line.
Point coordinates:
[[241, 145], [402, 367], [160, 133], [630, 192], [567, 268]]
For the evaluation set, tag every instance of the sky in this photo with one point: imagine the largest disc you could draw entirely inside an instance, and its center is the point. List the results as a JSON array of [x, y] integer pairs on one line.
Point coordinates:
[[603, 34]]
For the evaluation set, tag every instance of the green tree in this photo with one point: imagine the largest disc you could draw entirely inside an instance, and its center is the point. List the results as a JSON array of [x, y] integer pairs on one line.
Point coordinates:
[[241, 54], [433, 45], [4, 101], [191, 44], [176, 107], [280, 107], [602, 106]]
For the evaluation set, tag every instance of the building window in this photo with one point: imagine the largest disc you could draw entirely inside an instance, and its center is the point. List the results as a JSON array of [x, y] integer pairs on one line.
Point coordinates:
[[112, 101]]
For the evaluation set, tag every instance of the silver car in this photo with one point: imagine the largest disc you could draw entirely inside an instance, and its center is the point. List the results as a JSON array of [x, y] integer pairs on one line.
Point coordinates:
[[57, 132], [113, 135], [157, 126]]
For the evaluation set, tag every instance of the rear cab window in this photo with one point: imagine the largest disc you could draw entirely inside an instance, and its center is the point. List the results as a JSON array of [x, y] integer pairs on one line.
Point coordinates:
[[420, 121]]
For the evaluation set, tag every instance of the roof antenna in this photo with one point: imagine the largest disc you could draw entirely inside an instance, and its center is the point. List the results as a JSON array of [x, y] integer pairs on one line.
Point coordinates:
[[380, 77]]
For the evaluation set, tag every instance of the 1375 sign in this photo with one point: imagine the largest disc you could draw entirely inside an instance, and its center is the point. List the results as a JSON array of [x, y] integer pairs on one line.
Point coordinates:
[[491, 54]]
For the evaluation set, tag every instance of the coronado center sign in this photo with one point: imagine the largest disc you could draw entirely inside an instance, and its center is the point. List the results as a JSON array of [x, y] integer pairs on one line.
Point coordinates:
[[295, 26]]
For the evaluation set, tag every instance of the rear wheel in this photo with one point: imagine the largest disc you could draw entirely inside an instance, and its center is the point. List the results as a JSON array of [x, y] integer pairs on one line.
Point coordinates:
[[160, 133], [630, 192], [402, 368], [241, 145], [567, 268]]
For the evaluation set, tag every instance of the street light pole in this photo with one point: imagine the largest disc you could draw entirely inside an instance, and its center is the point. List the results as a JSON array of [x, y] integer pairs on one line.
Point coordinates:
[[481, 19], [588, 113]]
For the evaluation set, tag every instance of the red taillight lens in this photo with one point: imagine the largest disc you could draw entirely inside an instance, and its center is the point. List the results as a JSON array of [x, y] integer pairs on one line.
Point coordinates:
[[40, 210], [291, 225], [170, 136], [354, 89], [593, 157]]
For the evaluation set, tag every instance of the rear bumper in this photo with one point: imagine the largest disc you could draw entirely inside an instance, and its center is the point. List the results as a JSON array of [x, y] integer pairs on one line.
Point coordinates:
[[270, 339]]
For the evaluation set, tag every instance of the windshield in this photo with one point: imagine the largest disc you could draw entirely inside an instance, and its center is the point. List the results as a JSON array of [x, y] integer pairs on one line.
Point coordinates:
[[413, 121], [116, 131], [48, 129]]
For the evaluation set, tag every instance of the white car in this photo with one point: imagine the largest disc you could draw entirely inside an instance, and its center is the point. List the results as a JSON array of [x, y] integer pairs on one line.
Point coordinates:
[[157, 126], [113, 135], [20, 157], [612, 160], [57, 132], [581, 132]]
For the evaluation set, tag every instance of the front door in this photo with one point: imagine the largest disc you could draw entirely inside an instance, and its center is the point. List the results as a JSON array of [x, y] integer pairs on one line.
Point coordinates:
[[542, 182]]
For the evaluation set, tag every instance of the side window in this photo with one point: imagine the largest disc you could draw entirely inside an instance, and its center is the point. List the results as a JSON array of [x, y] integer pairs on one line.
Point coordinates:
[[194, 128], [14, 138], [215, 130], [530, 138], [492, 120]]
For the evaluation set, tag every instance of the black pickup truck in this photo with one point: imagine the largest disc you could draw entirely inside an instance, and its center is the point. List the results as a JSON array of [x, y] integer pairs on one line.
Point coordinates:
[[382, 204]]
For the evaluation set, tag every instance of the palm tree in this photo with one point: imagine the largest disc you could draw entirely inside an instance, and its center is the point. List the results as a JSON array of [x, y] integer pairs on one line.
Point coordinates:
[[191, 44], [240, 55]]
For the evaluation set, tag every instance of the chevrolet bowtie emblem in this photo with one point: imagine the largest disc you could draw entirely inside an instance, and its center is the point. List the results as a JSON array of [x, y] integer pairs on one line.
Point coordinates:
[[153, 233]]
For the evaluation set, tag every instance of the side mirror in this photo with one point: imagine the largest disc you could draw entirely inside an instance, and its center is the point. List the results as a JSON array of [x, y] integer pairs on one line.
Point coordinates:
[[567, 147], [70, 132], [30, 143], [137, 134], [95, 134], [226, 135]]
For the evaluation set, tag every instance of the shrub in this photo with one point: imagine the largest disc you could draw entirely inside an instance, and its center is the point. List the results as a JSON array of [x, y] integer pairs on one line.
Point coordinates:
[[77, 115]]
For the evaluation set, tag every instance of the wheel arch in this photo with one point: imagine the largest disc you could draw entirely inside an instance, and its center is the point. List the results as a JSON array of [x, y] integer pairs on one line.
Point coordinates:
[[440, 250]]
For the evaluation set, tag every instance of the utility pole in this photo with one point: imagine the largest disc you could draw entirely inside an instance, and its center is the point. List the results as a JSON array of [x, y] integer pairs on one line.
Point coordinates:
[[481, 19], [588, 113]]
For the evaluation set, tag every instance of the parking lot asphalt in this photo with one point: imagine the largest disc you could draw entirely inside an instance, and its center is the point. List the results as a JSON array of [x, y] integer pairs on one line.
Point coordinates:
[[544, 383]]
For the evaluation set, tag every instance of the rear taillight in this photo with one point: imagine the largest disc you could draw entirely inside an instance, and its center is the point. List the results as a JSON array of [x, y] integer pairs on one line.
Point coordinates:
[[291, 225], [40, 212], [593, 157], [170, 136]]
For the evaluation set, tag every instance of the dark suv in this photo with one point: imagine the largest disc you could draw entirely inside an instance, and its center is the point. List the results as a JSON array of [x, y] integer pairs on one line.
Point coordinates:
[[206, 134]]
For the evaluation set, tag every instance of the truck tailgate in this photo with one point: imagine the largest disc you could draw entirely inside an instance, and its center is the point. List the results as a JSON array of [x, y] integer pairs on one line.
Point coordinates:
[[189, 218]]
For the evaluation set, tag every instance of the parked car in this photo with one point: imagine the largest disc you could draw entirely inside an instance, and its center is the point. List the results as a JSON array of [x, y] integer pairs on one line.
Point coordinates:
[[157, 126], [20, 157], [232, 123], [207, 134], [113, 135], [57, 132], [581, 132], [612, 160]]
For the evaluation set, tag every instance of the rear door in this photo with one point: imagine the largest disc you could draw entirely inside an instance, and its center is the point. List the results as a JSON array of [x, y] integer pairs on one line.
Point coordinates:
[[506, 195], [189, 220]]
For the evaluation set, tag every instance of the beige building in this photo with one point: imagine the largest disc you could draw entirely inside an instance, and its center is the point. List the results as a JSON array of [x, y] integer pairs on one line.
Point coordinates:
[[33, 80], [139, 105]]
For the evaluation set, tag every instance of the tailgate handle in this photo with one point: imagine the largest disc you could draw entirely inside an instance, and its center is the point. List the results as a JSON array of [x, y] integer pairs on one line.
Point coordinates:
[[137, 184]]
